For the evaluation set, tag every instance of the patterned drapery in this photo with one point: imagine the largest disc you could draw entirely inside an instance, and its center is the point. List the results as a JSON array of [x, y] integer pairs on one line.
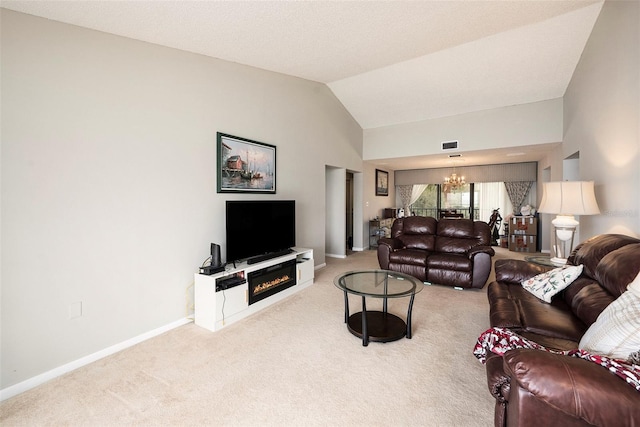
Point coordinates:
[[409, 194], [517, 191]]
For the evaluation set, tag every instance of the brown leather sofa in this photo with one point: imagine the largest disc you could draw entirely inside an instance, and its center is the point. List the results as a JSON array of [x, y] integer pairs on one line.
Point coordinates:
[[539, 388], [452, 252]]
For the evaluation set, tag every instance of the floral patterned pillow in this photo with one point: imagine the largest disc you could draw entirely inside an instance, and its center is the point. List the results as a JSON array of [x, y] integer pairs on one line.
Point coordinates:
[[546, 285]]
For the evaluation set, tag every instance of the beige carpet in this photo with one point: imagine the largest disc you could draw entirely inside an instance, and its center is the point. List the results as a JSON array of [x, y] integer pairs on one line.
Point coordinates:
[[294, 364]]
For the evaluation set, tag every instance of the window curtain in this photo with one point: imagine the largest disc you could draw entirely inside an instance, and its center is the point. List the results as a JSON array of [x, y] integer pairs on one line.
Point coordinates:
[[517, 191], [409, 194]]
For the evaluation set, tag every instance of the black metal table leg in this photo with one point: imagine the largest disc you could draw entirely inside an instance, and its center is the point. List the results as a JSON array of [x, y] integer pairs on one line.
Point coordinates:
[[409, 316], [386, 290], [346, 307], [365, 334]]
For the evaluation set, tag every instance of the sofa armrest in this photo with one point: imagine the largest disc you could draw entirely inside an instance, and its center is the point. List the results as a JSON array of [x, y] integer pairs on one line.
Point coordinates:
[[387, 245], [499, 383], [393, 244], [516, 271], [480, 250], [578, 388]]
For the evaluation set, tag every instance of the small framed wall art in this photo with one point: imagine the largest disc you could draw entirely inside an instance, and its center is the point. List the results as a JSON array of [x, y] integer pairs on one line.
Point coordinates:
[[382, 183], [245, 166]]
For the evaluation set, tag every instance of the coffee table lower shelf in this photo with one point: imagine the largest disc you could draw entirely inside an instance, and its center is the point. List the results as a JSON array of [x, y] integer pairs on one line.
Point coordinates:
[[381, 326]]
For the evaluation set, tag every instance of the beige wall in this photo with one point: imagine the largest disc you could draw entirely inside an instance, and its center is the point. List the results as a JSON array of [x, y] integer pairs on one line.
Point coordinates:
[[602, 121], [518, 125], [108, 180], [602, 118]]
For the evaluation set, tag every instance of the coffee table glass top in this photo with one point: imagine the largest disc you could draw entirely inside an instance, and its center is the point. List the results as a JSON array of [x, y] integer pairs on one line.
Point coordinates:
[[372, 283]]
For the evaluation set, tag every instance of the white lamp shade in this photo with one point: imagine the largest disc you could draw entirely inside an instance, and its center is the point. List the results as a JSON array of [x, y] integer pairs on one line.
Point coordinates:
[[569, 198]]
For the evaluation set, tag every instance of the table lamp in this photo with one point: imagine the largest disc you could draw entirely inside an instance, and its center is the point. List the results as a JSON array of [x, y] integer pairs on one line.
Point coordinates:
[[566, 199]]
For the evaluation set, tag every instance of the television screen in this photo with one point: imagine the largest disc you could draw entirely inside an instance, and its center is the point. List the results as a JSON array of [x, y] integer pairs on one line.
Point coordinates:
[[259, 227]]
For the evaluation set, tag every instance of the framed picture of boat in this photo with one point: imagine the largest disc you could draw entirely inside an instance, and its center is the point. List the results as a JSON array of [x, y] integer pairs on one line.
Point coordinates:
[[245, 166]]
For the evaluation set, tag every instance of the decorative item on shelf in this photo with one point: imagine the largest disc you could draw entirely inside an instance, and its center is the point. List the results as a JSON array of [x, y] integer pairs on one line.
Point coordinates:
[[527, 210], [566, 199]]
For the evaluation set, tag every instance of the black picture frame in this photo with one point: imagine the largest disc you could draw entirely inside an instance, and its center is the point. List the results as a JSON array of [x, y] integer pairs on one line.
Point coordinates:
[[245, 165], [382, 183]]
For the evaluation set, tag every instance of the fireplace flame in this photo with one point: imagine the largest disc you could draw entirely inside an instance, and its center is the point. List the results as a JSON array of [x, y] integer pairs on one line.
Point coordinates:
[[270, 284]]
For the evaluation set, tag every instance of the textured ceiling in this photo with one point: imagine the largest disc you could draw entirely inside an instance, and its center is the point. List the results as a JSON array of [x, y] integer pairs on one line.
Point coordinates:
[[388, 62]]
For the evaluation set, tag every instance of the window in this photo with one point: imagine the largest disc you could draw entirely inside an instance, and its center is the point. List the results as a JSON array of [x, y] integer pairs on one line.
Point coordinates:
[[479, 198]]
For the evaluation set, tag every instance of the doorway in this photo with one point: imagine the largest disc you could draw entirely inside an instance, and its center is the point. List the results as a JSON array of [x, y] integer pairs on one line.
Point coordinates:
[[349, 212]]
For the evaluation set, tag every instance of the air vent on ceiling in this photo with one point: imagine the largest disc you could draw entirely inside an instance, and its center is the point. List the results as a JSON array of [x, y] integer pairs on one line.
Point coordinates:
[[450, 145]]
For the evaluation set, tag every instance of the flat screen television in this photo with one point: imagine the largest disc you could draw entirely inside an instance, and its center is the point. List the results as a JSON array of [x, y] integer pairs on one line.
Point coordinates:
[[259, 229]]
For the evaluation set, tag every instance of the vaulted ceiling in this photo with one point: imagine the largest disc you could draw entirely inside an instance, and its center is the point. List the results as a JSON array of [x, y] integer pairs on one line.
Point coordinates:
[[388, 62]]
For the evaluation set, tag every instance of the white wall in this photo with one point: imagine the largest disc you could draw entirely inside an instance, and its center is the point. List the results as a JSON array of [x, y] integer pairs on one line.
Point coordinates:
[[335, 207], [108, 180], [517, 125], [602, 120]]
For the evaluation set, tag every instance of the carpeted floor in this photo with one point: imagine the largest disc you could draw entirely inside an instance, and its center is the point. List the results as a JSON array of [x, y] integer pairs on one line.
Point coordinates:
[[293, 364]]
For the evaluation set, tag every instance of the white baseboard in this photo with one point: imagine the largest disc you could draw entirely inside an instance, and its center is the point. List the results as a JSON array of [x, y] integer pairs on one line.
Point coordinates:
[[23, 386], [358, 249], [335, 256], [319, 266]]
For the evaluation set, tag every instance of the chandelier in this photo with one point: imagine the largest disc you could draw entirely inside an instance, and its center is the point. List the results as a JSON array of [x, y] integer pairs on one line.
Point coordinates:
[[454, 181]]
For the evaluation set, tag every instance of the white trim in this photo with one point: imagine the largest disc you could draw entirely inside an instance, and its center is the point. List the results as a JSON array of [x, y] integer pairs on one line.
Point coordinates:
[[335, 256], [358, 249], [33, 382], [319, 266]]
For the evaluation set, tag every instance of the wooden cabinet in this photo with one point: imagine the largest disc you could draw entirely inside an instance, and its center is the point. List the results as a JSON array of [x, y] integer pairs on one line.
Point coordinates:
[[523, 234]]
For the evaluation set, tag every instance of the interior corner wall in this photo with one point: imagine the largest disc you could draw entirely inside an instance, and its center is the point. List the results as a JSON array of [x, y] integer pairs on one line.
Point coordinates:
[[602, 120], [109, 200]]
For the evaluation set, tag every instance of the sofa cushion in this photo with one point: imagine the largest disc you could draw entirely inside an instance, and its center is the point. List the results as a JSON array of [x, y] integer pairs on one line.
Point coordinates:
[[511, 306], [546, 285], [591, 252], [619, 268], [458, 236], [409, 256], [587, 299], [415, 241], [616, 333], [449, 262]]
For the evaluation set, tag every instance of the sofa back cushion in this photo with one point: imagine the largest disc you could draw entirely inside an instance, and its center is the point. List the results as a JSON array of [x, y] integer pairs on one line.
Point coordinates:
[[590, 252], [619, 268], [610, 263], [460, 235], [415, 232]]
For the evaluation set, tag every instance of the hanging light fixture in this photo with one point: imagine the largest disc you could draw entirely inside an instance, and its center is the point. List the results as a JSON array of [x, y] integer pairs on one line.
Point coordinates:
[[454, 181]]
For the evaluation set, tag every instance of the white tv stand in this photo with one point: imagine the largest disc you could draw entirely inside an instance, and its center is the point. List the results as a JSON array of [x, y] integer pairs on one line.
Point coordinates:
[[216, 309]]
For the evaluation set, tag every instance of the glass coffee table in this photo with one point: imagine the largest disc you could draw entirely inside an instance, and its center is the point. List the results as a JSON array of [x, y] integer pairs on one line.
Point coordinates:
[[379, 326]]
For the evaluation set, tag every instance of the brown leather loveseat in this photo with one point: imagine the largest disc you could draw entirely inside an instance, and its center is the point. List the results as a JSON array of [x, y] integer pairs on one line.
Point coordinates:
[[538, 387], [452, 252]]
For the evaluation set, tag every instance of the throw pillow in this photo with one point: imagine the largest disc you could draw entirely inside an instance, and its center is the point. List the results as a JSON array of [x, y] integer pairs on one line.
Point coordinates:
[[616, 331], [546, 285]]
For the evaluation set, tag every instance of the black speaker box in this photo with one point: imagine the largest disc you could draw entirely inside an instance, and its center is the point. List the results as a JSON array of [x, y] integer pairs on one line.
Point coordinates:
[[215, 255]]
